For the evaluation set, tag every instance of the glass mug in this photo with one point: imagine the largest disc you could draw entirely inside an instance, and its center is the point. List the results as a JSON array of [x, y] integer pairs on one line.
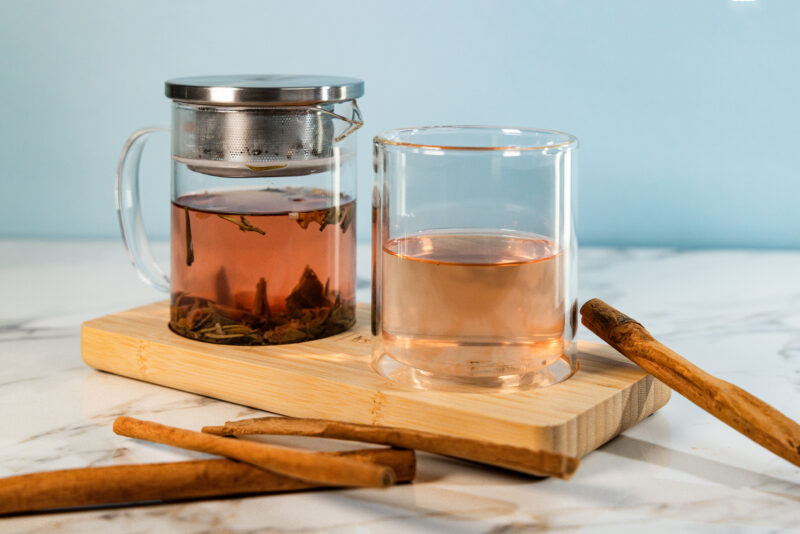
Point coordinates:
[[263, 208], [474, 257]]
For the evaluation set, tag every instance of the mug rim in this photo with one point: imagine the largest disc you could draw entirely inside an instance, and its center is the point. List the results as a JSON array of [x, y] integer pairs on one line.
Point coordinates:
[[394, 137]]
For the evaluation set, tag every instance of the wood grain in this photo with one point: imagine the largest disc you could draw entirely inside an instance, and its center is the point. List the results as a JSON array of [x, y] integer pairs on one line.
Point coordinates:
[[331, 379], [523, 460]]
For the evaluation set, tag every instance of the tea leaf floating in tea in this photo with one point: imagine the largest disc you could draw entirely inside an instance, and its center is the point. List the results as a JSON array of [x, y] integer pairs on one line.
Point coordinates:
[[261, 304], [342, 215], [189, 247], [321, 217], [242, 222], [347, 217]]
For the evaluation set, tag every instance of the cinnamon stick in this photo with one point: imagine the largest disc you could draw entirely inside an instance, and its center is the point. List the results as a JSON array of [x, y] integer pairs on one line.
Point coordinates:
[[124, 484], [729, 403], [308, 466], [524, 460]]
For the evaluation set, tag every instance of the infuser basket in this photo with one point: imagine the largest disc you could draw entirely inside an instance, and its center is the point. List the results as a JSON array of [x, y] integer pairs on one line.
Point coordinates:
[[268, 132]]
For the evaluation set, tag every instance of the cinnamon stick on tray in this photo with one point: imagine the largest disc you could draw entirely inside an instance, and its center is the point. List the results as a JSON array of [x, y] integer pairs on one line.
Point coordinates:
[[729, 403], [311, 467], [124, 484], [530, 461]]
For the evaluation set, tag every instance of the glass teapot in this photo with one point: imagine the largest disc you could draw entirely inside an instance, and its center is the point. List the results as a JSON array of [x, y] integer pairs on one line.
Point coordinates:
[[263, 207]]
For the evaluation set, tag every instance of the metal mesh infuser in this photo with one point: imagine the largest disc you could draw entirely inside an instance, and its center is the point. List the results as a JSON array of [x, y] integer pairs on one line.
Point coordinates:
[[248, 126]]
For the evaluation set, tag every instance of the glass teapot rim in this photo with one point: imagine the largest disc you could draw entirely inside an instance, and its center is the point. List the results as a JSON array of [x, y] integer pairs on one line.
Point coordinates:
[[263, 89]]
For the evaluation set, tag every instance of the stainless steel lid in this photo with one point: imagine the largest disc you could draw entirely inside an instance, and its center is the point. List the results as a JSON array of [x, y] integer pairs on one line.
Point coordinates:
[[264, 89]]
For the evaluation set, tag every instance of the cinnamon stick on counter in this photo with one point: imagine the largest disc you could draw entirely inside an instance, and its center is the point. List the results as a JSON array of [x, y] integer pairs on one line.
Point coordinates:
[[732, 405], [530, 461], [308, 466], [200, 479]]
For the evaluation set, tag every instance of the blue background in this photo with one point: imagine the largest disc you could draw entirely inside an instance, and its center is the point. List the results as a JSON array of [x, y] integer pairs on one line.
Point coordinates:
[[687, 111]]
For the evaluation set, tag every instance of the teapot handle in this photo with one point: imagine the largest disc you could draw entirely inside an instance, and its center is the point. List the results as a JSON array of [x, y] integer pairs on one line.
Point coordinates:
[[130, 212]]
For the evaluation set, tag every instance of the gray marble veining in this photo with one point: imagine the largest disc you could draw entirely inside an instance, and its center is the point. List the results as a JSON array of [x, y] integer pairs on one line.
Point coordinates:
[[735, 313]]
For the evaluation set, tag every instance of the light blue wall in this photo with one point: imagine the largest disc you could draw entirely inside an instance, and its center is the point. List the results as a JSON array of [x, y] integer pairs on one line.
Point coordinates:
[[687, 110]]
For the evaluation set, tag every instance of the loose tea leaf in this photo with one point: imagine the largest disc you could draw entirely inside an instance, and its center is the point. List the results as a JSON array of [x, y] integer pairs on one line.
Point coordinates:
[[222, 288], [189, 245], [261, 304], [242, 222], [321, 217], [309, 314], [347, 217], [341, 215], [177, 298], [308, 293], [286, 334], [266, 167], [199, 317]]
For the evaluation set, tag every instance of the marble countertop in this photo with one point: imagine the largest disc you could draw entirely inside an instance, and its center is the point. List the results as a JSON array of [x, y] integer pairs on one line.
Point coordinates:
[[735, 313]]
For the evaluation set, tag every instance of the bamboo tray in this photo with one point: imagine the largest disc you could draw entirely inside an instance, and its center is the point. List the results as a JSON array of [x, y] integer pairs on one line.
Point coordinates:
[[331, 378]]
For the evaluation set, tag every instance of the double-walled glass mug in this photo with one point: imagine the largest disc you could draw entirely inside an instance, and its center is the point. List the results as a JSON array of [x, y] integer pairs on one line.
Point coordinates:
[[263, 208], [474, 257]]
